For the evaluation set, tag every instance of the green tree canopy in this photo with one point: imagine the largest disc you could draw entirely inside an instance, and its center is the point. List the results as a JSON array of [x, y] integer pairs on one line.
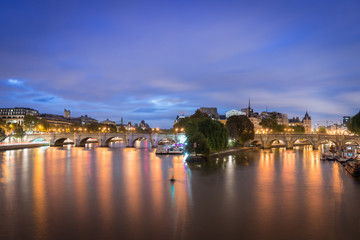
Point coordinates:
[[93, 127], [17, 130], [199, 114], [183, 122], [2, 127], [321, 130], [354, 124], [271, 123], [43, 125], [30, 122], [122, 129], [145, 130], [98, 127], [240, 128], [108, 127], [214, 132], [298, 129], [198, 143]]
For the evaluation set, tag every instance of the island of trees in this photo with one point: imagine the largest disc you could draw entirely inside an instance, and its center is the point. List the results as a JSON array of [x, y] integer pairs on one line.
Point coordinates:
[[205, 134]]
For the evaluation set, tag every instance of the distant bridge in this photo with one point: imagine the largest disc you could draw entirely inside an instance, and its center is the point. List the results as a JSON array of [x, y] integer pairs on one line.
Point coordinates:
[[265, 140], [289, 140], [80, 139]]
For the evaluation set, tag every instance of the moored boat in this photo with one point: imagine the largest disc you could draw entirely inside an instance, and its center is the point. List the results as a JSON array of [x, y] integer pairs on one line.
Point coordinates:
[[347, 153], [327, 155], [353, 167], [170, 149]]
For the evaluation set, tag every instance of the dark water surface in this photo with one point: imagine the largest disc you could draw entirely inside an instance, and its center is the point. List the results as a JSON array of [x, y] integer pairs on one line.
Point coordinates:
[[125, 193]]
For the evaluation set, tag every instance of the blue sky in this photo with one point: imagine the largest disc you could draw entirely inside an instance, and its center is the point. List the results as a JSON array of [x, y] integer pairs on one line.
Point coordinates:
[[153, 60]]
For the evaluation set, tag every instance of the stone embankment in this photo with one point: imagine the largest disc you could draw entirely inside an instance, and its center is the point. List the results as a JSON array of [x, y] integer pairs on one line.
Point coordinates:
[[15, 146]]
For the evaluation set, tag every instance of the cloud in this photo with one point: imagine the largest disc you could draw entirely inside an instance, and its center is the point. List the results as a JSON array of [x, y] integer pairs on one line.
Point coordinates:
[[15, 82], [147, 110], [44, 99]]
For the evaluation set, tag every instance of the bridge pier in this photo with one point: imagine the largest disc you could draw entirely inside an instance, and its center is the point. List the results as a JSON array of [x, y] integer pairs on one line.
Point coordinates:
[[266, 146], [289, 145]]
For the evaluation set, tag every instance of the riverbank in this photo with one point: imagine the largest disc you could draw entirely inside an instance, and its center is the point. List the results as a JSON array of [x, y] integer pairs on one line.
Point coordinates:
[[232, 150], [214, 155], [15, 146]]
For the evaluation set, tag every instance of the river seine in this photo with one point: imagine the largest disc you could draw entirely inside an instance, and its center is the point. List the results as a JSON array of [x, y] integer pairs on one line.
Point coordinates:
[[125, 193]]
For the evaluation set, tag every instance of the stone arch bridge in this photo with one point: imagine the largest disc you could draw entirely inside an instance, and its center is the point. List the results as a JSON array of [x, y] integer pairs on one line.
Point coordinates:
[[80, 139], [315, 140]]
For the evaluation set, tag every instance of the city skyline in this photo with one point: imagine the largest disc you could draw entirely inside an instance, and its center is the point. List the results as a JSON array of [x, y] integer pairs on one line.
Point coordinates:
[[155, 61]]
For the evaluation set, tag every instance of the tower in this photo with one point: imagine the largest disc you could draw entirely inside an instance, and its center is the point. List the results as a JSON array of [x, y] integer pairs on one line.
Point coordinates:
[[307, 123], [66, 113]]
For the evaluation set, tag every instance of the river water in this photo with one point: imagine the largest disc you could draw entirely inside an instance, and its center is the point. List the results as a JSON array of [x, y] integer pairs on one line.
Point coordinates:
[[125, 193]]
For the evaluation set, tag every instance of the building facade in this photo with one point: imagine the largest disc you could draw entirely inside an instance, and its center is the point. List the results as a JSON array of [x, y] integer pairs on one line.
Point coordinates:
[[17, 114], [107, 121], [346, 119], [211, 112], [234, 113], [66, 113]]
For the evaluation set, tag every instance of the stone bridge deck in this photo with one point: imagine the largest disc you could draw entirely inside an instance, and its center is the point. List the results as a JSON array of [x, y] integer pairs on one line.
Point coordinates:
[[103, 139], [315, 140], [265, 140]]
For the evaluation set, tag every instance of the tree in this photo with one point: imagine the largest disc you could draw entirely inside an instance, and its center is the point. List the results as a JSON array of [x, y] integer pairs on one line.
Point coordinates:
[[298, 129], [198, 144], [121, 129], [5, 127], [17, 130], [354, 124], [183, 122], [214, 132], [2, 127], [321, 130], [43, 125], [199, 114], [30, 122], [240, 128], [93, 127], [145, 130], [271, 123]]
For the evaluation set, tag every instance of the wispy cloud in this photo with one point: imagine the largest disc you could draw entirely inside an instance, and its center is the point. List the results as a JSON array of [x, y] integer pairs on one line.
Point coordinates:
[[159, 61]]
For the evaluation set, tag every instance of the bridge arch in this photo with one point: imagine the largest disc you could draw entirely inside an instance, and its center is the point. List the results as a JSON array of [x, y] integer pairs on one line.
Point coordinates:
[[351, 142], [108, 140], [60, 141], [328, 141], [302, 141], [141, 139], [270, 143], [83, 141], [255, 143], [37, 140]]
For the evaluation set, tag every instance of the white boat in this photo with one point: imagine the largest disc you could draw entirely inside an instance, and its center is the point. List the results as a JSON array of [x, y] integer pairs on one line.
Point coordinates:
[[328, 155], [170, 149], [347, 153]]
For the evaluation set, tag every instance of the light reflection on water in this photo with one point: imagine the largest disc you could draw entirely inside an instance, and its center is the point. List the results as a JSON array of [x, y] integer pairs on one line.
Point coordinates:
[[107, 193]]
